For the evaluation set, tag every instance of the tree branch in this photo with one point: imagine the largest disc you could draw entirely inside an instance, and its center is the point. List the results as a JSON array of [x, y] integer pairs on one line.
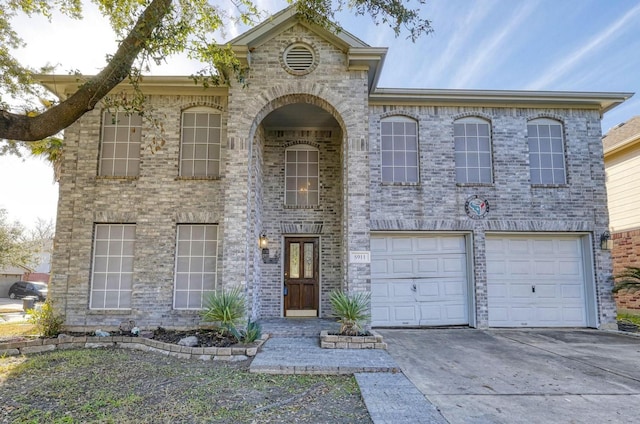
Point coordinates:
[[33, 128]]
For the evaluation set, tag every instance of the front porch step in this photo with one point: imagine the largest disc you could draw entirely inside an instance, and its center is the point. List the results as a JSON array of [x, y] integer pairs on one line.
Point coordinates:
[[297, 327]]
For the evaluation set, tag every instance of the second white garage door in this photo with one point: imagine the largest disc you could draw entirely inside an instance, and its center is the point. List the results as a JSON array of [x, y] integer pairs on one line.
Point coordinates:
[[418, 280], [535, 281]]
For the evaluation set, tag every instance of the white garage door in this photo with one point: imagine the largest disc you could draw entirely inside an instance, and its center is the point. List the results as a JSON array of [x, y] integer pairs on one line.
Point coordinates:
[[535, 281], [418, 280]]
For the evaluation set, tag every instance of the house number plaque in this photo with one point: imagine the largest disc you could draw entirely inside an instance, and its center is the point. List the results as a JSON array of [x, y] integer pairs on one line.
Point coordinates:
[[360, 257]]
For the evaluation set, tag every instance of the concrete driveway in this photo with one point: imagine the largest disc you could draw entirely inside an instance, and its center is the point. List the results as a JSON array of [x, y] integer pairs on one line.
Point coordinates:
[[523, 376]]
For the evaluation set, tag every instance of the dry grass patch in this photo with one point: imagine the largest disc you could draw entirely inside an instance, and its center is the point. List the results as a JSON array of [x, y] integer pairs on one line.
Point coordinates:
[[121, 386]]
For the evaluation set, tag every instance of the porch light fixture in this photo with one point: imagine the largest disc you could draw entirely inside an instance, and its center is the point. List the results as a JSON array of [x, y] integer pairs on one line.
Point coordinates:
[[605, 241], [263, 243]]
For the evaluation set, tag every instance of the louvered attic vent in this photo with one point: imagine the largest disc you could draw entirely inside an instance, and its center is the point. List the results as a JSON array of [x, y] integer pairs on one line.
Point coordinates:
[[299, 58]]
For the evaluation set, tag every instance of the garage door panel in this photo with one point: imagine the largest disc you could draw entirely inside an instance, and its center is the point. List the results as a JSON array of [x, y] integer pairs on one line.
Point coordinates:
[[402, 267], [401, 244], [426, 266], [519, 267], [455, 288], [426, 244], [405, 313], [542, 247], [552, 264], [573, 268], [545, 268], [425, 280]]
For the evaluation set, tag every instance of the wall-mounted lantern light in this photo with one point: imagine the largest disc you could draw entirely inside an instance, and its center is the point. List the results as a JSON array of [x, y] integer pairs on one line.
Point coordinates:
[[263, 243], [606, 243]]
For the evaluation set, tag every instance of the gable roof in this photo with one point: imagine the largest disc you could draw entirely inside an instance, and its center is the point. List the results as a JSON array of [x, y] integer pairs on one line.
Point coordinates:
[[360, 55], [622, 135]]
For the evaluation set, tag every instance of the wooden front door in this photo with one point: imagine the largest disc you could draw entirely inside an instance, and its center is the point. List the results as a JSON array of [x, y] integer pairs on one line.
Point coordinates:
[[301, 277]]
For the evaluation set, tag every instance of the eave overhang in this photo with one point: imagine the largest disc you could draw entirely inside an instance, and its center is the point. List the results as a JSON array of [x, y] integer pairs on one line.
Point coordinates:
[[64, 86], [623, 145], [602, 101]]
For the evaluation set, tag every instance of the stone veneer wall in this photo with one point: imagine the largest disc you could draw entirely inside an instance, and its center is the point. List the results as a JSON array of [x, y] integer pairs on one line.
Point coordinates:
[[437, 202], [156, 201], [340, 92], [626, 252], [323, 221]]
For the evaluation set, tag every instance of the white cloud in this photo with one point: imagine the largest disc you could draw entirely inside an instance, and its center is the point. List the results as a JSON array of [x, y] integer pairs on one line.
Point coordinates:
[[488, 50], [557, 70]]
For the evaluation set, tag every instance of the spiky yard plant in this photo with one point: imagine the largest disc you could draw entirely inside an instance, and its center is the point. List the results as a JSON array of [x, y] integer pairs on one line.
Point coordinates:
[[629, 279], [227, 308], [351, 310]]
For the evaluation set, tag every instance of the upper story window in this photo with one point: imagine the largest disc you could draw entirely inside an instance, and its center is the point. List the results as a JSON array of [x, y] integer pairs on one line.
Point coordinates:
[[399, 150], [472, 139], [302, 176], [200, 143], [120, 149], [546, 152]]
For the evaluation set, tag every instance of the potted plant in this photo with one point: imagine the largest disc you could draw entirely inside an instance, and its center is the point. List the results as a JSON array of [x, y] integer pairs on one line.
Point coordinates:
[[351, 311]]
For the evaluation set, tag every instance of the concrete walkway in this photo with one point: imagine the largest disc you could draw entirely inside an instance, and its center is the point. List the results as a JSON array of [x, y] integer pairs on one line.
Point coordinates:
[[389, 396]]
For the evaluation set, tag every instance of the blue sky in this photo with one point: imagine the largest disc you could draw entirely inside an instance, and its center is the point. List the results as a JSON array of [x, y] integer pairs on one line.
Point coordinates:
[[563, 45]]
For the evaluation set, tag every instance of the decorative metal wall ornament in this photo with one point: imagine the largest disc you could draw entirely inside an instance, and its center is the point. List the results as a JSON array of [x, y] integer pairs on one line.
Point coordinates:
[[476, 207]]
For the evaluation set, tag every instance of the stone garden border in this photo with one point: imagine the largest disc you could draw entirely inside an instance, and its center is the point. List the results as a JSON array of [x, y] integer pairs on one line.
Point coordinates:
[[232, 353], [334, 341]]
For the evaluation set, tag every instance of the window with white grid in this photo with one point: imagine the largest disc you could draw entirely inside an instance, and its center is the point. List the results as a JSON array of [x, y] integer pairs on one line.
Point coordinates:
[[112, 270], [546, 152], [399, 150], [302, 176], [196, 265], [200, 147], [120, 147], [472, 140]]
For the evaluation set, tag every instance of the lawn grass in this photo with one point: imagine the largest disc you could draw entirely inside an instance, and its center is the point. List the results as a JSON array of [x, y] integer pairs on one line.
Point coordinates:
[[627, 316], [13, 329], [123, 386]]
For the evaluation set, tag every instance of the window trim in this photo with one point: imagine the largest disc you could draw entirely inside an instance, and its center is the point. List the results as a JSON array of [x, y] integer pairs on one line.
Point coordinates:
[[547, 121], [113, 159], [208, 145], [475, 120], [307, 148], [189, 272], [393, 181], [94, 256]]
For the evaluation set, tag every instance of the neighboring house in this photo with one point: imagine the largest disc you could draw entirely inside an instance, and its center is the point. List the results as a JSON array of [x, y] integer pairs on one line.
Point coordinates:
[[622, 166], [452, 207], [10, 275]]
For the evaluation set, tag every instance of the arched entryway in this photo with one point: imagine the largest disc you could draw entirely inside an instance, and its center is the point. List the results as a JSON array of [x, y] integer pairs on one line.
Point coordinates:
[[297, 198]]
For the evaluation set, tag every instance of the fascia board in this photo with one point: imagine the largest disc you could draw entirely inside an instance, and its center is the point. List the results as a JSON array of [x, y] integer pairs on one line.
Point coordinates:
[[65, 85], [603, 101], [623, 145]]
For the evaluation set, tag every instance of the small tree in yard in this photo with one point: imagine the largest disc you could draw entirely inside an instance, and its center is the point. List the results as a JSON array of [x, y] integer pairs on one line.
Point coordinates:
[[48, 323]]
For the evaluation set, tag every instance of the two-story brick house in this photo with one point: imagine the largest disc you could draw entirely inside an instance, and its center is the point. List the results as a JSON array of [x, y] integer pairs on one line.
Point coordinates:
[[452, 207]]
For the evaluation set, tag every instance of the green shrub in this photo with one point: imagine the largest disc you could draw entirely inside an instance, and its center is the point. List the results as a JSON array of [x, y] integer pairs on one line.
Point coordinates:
[[629, 279], [47, 322], [227, 308], [252, 333], [350, 310]]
